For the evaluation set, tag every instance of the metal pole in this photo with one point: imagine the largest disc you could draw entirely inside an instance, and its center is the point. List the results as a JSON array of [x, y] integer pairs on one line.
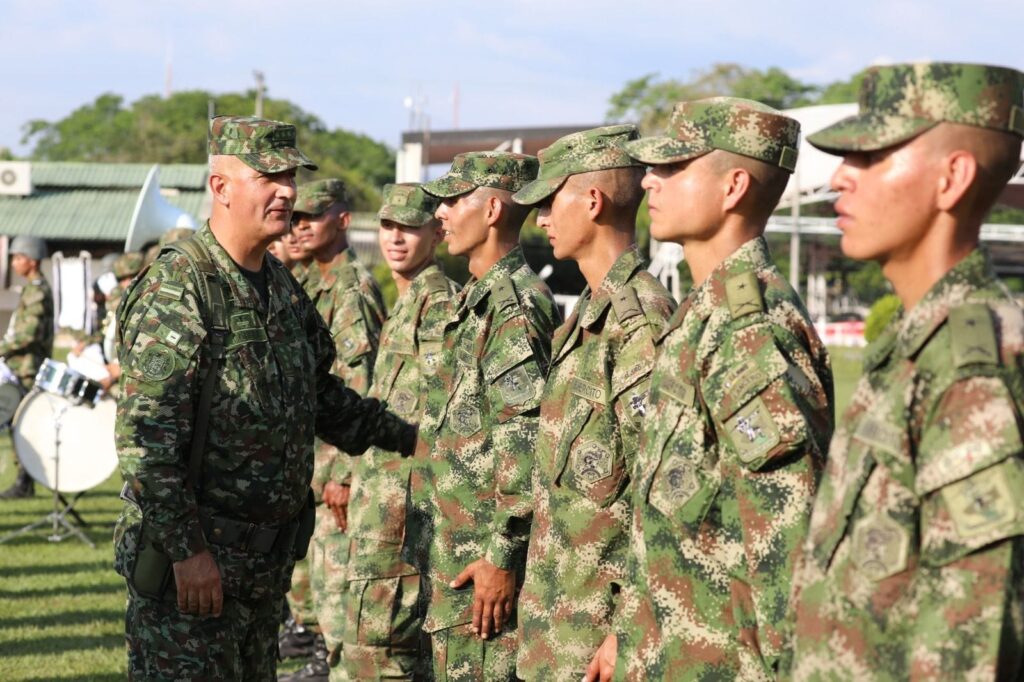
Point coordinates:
[[794, 237], [258, 75]]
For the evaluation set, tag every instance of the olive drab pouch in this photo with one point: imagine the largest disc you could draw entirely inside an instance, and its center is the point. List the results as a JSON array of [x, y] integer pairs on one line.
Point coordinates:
[[152, 574]]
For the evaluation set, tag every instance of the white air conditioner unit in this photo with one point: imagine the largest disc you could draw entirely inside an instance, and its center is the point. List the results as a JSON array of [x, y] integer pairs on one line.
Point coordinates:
[[16, 178]]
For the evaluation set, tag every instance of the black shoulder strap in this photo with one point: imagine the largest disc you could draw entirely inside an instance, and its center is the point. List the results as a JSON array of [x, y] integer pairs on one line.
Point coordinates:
[[212, 295]]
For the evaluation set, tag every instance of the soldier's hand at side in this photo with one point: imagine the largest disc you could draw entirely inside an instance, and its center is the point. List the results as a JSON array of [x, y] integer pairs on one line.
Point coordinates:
[[493, 592], [198, 582], [336, 498], [78, 348], [602, 667]]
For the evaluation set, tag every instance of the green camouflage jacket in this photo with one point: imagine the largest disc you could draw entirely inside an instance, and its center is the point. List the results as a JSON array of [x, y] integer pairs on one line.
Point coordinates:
[[29, 337], [741, 404], [912, 568], [349, 300], [274, 391], [377, 507], [479, 429], [591, 414]]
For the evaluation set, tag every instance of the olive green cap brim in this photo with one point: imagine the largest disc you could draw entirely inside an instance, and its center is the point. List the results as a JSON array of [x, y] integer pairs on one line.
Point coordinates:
[[277, 160], [404, 215], [868, 132], [538, 190], [655, 151], [313, 205], [448, 185]]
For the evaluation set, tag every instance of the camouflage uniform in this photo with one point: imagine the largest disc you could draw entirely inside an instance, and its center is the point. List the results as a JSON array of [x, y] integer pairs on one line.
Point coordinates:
[[255, 472], [912, 568], [29, 337], [591, 413], [478, 433], [350, 303], [383, 605], [741, 405]]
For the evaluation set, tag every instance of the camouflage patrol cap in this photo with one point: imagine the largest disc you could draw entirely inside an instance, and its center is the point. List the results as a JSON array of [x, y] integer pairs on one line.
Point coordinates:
[[582, 152], [500, 170], [740, 126], [900, 102], [264, 145], [316, 197], [128, 265], [407, 204]]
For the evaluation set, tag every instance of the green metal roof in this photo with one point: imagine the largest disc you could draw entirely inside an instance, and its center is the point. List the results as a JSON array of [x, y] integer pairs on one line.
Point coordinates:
[[95, 201], [84, 215], [115, 175]]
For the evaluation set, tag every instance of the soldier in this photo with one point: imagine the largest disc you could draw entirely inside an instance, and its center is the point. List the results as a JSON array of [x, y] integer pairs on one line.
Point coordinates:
[[912, 567], [593, 405], [480, 423], [125, 268], [741, 398], [349, 300], [29, 337], [384, 638], [226, 377]]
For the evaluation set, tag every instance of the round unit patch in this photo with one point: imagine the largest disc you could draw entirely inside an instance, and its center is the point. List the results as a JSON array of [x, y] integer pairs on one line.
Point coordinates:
[[157, 362]]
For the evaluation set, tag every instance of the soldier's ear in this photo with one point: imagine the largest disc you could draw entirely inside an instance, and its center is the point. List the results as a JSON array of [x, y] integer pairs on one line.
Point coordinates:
[[957, 172], [219, 188], [735, 186]]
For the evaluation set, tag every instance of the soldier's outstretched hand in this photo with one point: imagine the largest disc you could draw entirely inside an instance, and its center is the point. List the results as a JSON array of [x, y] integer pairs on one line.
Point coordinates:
[[198, 582], [493, 592], [602, 667]]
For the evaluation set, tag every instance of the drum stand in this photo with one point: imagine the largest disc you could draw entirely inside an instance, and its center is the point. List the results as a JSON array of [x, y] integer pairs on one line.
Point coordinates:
[[58, 517]]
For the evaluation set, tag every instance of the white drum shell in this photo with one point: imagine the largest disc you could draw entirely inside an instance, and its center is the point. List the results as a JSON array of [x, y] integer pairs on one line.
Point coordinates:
[[87, 453]]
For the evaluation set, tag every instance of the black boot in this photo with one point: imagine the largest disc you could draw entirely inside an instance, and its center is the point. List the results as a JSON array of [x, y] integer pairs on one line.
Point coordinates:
[[22, 487], [317, 670], [295, 641]]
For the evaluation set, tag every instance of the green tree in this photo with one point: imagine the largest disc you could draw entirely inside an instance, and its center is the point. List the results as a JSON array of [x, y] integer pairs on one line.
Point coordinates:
[[173, 130], [648, 100]]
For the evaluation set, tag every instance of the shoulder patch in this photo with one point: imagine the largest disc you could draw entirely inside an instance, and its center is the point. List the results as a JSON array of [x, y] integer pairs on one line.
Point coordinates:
[[743, 292], [157, 362], [504, 293], [626, 304], [973, 336], [171, 290]]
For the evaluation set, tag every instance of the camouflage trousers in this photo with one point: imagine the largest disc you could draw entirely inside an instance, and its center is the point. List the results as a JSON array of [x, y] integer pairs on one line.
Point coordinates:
[[300, 597], [328, 570], [165, 644], [461, 656], [384, 639]]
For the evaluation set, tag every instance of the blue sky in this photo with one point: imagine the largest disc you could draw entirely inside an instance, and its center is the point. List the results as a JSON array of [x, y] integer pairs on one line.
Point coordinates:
[[530, 62]]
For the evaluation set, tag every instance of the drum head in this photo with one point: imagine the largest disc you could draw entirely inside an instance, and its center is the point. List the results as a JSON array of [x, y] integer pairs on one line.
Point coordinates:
[[10, 398], [87, 453]]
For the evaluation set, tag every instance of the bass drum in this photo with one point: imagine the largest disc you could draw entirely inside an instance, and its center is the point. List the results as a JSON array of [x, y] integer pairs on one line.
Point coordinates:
[[87, 453]]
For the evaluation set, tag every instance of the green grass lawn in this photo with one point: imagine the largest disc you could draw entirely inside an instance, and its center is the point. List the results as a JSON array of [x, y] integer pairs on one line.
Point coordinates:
[[62, 605]]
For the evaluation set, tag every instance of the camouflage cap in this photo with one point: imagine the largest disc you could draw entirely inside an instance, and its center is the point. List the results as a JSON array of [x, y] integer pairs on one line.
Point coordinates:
[[500, 170], [264, 145], [740, 126], [902, 101], [582, 152], [316, 197], [407, 204], [128, 264]]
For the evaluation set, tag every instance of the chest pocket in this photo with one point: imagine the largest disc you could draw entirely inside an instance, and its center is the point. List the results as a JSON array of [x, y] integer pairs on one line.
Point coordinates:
[[685, 483], [594, 466], [250, 370], [403, 397], [464, 409]]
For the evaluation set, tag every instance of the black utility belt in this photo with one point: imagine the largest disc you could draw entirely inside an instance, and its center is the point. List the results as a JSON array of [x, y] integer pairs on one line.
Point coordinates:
[[248, 537]]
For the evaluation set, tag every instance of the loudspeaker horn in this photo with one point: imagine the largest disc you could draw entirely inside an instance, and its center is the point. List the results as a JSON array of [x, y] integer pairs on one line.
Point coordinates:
[[153, 215]]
